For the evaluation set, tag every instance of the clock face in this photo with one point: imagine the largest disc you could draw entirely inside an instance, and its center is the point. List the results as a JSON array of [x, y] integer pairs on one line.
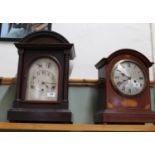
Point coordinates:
[[42, 83], [128, 78]]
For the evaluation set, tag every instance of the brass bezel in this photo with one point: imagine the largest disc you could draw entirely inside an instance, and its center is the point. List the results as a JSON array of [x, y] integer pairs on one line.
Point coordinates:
[[112, 77]]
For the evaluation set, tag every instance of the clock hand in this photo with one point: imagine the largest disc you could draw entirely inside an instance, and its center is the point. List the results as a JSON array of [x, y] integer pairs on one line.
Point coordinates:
[[50, 82], [46, 84], [122, 70], [129, 78], [125, 80]]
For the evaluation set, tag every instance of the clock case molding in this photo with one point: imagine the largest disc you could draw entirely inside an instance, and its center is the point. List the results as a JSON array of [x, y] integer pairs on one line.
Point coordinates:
[[42, 44], [113, 107]]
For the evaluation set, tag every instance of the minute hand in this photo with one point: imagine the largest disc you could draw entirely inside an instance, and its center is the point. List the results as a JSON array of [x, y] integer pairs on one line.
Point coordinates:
[[121, 69], [129, 78]]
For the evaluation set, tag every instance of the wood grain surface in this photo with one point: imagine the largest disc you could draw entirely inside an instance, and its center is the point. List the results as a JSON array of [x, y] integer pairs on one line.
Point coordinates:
[[4, 126]]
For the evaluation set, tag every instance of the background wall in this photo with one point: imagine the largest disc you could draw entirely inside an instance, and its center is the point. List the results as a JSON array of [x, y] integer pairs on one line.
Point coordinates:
[[95, 41], [92, 42], [8, 59], [82, 102]]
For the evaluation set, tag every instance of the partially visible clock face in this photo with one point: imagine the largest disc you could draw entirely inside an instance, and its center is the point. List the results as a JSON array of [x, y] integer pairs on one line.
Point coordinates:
[[42, 83], [128, 78]]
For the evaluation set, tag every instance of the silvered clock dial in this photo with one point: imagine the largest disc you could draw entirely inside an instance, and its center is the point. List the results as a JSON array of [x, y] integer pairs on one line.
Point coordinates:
[[128, 78], [42, 83]]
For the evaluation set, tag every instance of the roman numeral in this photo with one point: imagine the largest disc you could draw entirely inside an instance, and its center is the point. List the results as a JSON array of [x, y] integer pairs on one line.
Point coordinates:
[[141, 78], [119, 83]]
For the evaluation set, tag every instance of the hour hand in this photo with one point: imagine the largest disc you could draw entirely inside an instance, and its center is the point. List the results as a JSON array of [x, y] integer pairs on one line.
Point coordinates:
[[124, 75], [47, 82], [125, 80]]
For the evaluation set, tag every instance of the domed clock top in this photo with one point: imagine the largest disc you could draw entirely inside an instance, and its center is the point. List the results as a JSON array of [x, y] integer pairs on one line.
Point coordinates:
[[124, 88], [42, 80]]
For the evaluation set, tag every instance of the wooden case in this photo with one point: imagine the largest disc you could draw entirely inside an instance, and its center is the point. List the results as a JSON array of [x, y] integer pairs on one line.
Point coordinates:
[[114, 107], [39, 45]]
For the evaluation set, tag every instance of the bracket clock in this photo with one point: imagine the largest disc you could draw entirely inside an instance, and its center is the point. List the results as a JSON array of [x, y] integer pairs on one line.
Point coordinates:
[[124, 88], [42, 80]]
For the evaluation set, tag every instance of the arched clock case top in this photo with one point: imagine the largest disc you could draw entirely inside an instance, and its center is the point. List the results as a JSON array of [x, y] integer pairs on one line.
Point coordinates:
[[118, 106], [43, 45]]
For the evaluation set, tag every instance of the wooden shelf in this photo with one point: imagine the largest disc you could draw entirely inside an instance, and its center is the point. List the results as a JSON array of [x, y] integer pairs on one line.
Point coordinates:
[[72, 127]]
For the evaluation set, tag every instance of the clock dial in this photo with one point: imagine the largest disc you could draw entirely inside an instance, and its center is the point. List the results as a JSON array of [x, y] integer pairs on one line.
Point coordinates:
[[128, 78], [42, 81]]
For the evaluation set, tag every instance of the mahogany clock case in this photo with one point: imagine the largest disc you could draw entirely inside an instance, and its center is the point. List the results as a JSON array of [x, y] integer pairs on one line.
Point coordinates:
[[42, 45], [115, 107]]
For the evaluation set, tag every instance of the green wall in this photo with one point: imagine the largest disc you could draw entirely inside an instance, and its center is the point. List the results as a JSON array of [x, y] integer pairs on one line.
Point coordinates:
[[7, 95], [82, 102]]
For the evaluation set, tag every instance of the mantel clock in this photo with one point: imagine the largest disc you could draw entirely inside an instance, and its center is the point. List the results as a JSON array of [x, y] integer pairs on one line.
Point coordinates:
[[42, 80], [124, 88]]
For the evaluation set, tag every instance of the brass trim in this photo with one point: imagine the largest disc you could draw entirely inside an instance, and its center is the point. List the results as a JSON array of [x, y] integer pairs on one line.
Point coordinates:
[[112, 77]]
